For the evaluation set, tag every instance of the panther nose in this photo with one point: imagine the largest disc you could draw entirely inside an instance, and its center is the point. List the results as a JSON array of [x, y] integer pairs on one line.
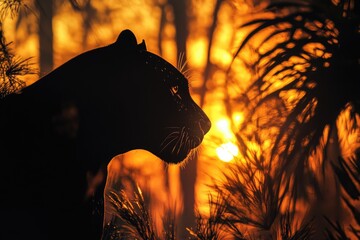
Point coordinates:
[[204, 125]]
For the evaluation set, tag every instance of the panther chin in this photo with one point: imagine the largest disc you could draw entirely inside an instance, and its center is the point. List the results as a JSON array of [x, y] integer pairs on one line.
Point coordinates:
[[179, 146], [177, 158]]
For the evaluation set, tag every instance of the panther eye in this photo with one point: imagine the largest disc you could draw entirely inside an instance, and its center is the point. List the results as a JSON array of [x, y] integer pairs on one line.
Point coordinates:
[[175, 89]]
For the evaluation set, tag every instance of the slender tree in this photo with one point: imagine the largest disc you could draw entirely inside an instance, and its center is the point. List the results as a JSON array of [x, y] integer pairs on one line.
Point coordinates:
[[45, 32]]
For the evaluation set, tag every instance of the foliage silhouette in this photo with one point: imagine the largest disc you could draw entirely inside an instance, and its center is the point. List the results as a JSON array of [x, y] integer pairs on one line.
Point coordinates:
[[12, 68], [305, 68], [10, 7], [348, 173], [253, 200], [310, 48], [214, 226], [139, 222]]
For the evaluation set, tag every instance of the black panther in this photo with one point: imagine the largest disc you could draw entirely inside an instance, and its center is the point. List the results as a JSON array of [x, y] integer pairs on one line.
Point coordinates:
[[67, 126]]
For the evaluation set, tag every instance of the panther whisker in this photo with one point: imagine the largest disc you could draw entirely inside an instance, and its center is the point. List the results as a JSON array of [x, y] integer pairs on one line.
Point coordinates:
[[183, 141], [186, 72], [168, 137], [173, 149], [178, 141], [162, 149], [170, 134], [187, 142], [182, 62], [175, 146], [193, 153]]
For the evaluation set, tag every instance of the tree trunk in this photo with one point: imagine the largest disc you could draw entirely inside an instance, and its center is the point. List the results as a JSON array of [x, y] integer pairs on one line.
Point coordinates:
[[187, 174], [45, 32], [180, 22]]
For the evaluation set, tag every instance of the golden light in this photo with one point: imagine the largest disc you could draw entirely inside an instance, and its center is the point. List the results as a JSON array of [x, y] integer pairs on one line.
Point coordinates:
[[238, 118], [227, 152], [197, 52], [223, 126]]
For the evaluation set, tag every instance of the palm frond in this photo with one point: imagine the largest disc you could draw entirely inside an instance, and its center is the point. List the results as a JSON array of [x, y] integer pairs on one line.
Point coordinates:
[[336, 231], [349, 176], [306, 47], [348, 173]]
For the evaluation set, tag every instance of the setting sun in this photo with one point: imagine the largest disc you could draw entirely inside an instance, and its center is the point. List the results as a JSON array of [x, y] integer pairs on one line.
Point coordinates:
[[227, 151], [223, 125]]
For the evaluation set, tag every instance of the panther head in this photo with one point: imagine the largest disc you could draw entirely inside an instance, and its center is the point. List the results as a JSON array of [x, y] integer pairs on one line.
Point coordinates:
[[125, 98], [173, 124]]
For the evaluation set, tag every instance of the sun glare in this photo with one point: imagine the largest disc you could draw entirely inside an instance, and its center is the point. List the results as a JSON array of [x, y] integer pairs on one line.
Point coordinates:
[[223, 125], [227, 152]]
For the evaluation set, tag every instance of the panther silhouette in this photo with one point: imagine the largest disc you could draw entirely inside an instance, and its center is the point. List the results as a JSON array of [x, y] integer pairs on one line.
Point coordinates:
[[68, 125]]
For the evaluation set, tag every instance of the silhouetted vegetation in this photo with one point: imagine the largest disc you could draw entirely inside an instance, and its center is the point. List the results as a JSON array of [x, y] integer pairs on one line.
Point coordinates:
[[305, 68], [11, 68], [136, 215]]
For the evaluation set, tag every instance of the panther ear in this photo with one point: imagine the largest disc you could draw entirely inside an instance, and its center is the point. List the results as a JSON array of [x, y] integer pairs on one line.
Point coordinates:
[[142, 46], [126, 39]]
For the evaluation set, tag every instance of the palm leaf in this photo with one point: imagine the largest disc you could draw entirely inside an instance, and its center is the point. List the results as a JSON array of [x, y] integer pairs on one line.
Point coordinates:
[[349, 179], [317, 56], [348, 173]]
